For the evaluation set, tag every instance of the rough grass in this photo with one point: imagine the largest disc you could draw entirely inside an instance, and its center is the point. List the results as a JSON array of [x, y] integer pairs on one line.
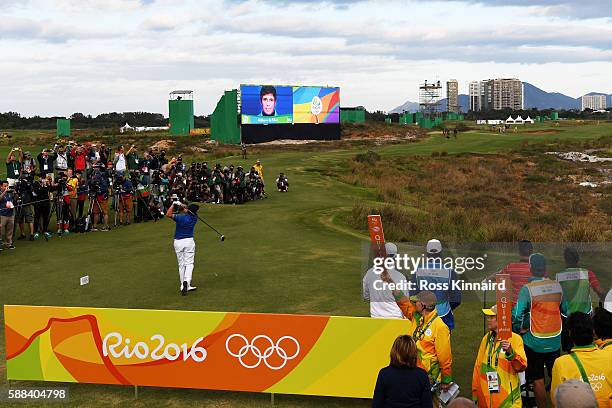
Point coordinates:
[[483, 198]]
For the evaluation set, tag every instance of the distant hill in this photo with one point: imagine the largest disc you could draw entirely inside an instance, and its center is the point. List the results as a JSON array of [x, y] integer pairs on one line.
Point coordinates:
[[539, 99], [406, 107], [535, 98]]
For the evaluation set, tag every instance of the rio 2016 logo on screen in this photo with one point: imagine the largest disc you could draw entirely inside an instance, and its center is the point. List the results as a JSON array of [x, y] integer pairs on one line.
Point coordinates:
[[316, 105], [274, 104]]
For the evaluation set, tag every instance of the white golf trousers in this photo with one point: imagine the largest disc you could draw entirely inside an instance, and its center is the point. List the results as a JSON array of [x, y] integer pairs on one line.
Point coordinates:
[[185, 254]]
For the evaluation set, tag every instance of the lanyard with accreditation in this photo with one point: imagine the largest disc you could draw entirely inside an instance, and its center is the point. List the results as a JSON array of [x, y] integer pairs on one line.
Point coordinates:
[[420, 331]]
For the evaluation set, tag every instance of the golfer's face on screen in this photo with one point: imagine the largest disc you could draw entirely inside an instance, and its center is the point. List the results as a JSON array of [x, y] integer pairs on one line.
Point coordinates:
[[268, 104]]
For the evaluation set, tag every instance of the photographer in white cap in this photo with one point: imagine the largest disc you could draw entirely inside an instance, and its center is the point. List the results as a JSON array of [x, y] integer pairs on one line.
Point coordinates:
[[434, 273], [382, 301]]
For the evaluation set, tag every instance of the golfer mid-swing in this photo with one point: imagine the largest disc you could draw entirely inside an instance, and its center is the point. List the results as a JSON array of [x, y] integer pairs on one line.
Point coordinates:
[[184, 245]]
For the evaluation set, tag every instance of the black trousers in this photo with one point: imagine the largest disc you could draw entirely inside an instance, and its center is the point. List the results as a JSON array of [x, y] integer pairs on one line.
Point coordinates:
[[41, 216]]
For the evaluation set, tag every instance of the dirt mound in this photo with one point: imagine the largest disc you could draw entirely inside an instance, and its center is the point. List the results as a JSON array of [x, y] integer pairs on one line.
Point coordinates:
[[164, 144], [543, 132], [289, 142]]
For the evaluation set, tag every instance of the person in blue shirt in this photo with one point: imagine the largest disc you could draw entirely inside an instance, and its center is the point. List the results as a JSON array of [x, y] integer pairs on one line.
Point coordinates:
[[184, 244], [433, 272], [7, 215]]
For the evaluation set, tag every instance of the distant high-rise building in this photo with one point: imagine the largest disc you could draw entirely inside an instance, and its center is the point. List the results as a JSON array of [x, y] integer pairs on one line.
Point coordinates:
[[507, 94], [475, 96], [452, 96], [594, 102], [496, 94]]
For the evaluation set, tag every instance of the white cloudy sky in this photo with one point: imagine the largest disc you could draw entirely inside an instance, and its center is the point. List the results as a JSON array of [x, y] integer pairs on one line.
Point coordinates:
[[93, 56]]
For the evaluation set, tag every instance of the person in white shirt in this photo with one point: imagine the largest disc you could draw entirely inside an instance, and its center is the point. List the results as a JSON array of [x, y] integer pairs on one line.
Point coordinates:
[[382, 301], [119, 162]]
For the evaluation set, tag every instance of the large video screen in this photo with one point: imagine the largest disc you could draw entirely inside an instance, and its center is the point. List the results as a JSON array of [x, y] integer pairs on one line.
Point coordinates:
[[276, 104], [267, 104]]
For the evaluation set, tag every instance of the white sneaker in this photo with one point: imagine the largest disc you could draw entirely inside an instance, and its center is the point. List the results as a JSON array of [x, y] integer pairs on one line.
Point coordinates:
[[192, 288]]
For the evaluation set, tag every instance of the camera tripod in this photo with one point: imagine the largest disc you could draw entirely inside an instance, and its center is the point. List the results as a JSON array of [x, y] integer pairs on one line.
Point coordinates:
[[58, 207], [141, 201], [92, 201]]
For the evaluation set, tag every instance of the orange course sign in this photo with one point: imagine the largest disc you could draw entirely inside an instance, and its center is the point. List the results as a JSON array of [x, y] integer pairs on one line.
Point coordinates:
[[286, 354], [377, 235], [504, 306]]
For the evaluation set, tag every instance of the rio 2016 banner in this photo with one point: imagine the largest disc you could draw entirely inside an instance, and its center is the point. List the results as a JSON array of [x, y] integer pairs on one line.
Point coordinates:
[[274, 104], [285, 354]]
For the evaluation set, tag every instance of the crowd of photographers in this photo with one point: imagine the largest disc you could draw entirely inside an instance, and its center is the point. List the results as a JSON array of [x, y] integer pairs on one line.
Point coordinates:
[[82, 185]]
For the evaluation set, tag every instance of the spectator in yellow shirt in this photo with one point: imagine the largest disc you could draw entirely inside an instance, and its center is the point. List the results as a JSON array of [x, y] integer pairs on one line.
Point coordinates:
[[73, 185], [495, 380], [259, 169], [585, 362]]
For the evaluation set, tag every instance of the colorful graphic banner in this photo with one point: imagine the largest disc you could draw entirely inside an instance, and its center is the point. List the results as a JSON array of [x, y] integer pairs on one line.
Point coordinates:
[[276, 104], [316, 105], [285, 354]]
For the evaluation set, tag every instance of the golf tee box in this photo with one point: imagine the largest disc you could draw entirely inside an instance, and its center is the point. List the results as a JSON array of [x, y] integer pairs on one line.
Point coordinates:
[[252, 352]]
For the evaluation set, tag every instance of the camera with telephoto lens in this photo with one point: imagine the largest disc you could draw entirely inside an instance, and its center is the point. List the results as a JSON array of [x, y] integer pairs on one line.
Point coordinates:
[[176, 204], [62, 181], [156, 177]]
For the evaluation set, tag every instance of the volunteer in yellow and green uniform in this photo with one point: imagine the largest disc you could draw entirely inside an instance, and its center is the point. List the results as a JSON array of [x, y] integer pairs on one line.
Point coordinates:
[[431, 335], [537, 316], [495, 380], [585, 362]]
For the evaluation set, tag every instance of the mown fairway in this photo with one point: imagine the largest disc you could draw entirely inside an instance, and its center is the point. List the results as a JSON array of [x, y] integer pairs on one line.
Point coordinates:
[[289, 253]]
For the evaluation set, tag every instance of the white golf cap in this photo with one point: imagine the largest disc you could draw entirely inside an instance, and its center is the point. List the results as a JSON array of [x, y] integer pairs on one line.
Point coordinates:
[[608, 301], [434, 246], [390, 248]]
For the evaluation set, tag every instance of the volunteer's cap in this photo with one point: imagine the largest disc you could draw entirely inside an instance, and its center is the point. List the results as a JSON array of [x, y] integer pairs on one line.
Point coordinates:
[[391, 249], [490, 312], [575, 393], [434, 246], [427, 298]]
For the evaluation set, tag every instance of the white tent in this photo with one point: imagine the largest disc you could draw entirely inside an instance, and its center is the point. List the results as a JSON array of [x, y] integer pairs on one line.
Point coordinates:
[[519, 120], [509, 120], [125, 128], [529, 120]]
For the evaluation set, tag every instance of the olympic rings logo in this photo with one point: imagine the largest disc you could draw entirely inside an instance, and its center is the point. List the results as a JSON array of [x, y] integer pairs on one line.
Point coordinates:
[[273, 348]]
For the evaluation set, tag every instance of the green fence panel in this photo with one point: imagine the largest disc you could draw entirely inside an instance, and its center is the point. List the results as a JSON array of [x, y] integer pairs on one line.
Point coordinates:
[[224, 121]]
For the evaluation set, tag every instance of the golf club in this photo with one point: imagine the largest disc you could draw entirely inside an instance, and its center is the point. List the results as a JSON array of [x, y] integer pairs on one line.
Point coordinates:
[[221, 236]]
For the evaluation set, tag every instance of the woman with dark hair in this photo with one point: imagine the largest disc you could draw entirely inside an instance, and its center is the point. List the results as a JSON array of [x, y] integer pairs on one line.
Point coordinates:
[[402, 384]]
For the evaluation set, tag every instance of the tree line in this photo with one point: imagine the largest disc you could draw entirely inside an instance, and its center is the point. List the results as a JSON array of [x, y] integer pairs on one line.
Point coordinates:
[[14, 120]]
